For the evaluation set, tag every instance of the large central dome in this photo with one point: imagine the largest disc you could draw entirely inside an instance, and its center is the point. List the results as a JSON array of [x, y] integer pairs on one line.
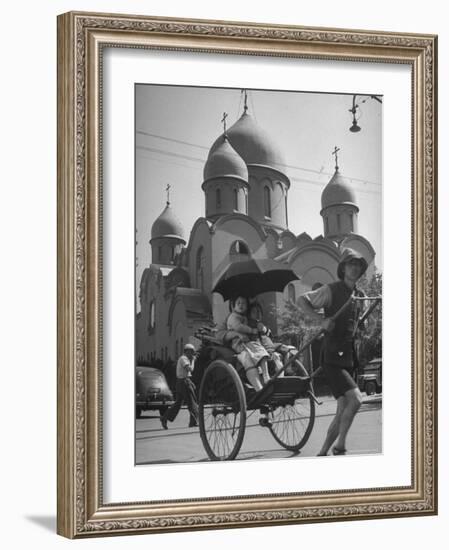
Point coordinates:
[[252, 143]]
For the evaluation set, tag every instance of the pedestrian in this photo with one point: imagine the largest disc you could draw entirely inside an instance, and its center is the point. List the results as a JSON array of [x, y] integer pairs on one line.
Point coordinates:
[[185, 389], [338, 356]]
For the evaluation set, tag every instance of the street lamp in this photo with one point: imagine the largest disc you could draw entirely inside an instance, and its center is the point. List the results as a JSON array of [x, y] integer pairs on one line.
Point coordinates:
[[355, 127]]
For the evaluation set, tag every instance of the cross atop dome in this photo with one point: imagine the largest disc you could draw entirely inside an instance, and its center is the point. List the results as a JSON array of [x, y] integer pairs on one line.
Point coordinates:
[[245, 105], [225, 116], [168, 193], [335, 152]]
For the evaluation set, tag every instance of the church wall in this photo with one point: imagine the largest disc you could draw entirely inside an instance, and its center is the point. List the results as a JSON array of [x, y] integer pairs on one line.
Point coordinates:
[[225, 234], [201, 239], [142, 349], [154, 342], [271, 244], [180, 331], [220, 309], [288, 242], [158, 338], [311, 263]]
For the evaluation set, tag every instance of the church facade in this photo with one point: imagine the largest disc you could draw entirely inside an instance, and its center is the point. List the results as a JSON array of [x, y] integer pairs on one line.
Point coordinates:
[[246, 216]]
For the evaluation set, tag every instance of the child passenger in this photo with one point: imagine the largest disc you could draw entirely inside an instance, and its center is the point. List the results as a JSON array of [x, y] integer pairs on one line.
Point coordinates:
[[263, 336], [250, 354]]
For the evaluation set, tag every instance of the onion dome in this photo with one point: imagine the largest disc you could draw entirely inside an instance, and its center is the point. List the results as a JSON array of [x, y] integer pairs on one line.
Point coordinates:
[[252, 143], [223, 161], [167, 225], [337, 191]]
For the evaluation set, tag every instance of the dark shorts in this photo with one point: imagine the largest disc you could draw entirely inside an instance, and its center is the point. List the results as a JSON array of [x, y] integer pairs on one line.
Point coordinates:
[[339, 380]]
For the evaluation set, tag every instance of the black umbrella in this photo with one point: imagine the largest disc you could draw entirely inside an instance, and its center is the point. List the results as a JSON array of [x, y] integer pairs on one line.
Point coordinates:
[[252, 277]]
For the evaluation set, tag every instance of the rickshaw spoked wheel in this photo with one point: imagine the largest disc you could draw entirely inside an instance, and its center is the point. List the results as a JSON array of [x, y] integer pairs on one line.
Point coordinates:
[[292, 424], [222, 411]]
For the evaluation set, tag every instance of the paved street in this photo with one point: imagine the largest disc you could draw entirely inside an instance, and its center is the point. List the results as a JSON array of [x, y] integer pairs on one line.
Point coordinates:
[[181, 444]]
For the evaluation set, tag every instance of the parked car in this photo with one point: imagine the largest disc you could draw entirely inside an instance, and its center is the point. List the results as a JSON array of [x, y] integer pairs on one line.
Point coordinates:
[[370, 377], [152, 391]]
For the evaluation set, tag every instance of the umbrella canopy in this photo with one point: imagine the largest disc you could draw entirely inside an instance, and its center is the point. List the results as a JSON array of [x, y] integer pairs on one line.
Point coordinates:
[[252, 277]]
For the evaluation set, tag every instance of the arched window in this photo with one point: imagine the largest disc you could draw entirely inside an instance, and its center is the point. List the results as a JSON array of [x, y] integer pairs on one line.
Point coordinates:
[[326, 224], [338, 222], [351, 222], [246, 202], [152, 315], [239, 247], [236, 199], [218, 198], [267, 202], [200, 263], [291, 293]]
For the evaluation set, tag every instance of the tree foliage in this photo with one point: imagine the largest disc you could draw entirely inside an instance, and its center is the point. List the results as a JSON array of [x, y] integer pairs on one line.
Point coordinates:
[[295, 327], [369, 340]]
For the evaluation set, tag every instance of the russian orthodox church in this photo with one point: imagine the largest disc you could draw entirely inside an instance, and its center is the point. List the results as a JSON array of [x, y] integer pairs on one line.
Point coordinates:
[[246, 216]]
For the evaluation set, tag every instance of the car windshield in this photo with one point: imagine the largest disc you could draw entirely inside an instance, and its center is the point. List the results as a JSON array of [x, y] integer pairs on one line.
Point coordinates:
[[151, 376]]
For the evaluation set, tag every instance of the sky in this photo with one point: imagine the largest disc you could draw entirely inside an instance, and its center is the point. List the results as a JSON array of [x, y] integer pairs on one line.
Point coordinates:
[[177, 125]]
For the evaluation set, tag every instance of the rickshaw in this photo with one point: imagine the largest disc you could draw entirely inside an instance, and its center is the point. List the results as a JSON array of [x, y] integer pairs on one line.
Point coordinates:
[[226, 400]]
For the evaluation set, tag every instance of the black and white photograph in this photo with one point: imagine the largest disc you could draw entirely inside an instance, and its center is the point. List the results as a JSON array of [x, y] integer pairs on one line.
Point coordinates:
[[258, 274]]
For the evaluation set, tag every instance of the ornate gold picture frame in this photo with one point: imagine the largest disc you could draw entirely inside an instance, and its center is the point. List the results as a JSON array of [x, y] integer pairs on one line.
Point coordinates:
[[83, 510]]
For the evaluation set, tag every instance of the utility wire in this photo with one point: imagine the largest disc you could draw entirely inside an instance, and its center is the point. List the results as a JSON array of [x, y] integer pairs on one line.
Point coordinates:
[[310, 170], [172, 139], [195, 159], [292, 178]]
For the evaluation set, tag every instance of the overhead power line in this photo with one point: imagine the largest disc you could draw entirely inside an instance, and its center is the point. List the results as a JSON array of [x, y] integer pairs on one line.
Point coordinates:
[[141, 132], [196, 159]]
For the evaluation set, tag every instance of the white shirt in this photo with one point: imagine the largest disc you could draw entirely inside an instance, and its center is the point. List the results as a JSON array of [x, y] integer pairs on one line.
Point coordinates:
[[184, 367]]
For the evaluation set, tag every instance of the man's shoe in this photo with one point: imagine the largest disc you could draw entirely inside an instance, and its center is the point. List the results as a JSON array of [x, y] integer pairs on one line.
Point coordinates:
[[164, 423]]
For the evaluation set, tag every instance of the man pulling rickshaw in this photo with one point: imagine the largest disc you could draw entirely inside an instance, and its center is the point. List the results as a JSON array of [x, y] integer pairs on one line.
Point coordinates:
[[338, 350]]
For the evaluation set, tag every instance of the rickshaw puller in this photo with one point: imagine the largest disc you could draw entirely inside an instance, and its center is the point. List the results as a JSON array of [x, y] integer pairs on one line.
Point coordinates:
[[338, 345]]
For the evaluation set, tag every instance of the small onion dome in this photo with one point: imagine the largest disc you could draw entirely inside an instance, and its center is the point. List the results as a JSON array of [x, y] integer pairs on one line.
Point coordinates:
[[337, 191], [223, 161], [167, 225], [252, 143]]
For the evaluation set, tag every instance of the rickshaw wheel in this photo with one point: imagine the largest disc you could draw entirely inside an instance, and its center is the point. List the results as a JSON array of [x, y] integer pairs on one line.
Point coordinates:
[[222, 411], [292, 424]]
